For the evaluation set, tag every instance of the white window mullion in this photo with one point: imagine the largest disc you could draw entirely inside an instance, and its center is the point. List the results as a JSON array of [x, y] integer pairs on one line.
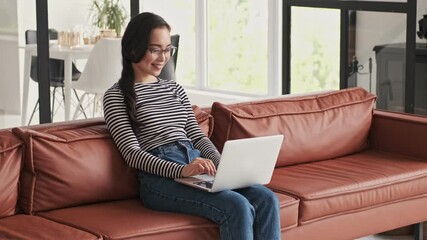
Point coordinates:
[[274, 48], [201, 44]]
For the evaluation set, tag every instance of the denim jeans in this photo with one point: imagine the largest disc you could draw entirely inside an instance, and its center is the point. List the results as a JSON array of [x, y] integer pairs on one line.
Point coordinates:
[[246, 213]]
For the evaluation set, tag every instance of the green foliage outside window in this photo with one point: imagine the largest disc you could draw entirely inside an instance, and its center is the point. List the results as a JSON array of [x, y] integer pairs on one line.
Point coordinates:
[[238, 45], [314, 49], [237, 40]]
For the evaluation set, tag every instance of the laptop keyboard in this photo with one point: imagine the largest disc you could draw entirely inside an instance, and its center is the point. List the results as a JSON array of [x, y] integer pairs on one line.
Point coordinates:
[[206, 184]]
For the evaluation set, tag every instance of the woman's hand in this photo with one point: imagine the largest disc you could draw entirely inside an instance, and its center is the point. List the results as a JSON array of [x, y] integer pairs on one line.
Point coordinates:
[[199, 166]]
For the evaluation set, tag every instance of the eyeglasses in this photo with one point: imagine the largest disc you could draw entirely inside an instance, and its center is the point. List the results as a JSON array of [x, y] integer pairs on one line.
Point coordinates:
[[168, 52]]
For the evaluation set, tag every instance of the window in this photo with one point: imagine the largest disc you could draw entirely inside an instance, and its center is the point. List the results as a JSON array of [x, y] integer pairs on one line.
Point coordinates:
[[315, 49], [224, 44]]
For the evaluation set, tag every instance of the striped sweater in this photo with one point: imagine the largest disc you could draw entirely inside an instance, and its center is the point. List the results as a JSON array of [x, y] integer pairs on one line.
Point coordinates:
[[166, 116]]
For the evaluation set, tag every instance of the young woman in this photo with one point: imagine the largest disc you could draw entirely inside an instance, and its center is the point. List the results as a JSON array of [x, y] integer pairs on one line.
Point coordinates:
[[154, 128]]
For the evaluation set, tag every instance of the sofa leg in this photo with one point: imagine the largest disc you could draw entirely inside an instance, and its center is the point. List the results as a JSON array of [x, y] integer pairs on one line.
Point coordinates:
[[418, 231]]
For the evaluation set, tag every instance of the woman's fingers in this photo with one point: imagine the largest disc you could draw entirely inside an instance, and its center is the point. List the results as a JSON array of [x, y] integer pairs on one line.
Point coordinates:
[[206, 166], [199, 166]]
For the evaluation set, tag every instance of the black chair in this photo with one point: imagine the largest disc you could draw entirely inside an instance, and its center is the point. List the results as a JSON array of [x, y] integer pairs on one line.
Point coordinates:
[[168, 71], [56, 70]]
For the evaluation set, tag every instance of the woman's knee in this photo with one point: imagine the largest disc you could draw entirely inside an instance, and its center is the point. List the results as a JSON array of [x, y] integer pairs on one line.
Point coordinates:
[[270, 197], [269, 201], [239, 206], [259, 194]]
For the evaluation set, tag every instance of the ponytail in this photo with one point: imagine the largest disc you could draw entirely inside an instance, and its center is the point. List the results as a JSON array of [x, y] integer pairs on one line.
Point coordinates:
[[126, 85]]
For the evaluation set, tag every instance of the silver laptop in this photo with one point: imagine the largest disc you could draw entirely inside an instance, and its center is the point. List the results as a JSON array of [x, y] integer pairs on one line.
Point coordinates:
[[244, 162]]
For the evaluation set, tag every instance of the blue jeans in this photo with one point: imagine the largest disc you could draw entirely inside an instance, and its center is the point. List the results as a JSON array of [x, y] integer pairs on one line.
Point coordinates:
[[246, 213]]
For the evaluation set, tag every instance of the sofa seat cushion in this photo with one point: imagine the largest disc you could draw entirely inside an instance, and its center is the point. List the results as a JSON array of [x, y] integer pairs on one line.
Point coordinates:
[[27, 227], [316, 127], [128, 219], [10, 168], [351, 184], [288, 211]]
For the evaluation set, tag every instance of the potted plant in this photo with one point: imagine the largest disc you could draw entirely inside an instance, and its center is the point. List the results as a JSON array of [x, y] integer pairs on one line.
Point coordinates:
[[108, 14]]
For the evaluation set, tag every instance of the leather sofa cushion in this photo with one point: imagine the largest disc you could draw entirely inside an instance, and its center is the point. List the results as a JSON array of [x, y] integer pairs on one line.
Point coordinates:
[[316, 127], [27, 227], [288, 211], [351, 184], [72, 163], [10, 167], [204, 119], [129, 219]]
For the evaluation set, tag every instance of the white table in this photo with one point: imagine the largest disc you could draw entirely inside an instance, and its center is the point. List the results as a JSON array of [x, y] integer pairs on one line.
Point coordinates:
[[66, 54]]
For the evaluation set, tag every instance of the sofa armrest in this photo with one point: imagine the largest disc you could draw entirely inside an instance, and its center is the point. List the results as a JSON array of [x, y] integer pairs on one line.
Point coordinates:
[[399, 133]]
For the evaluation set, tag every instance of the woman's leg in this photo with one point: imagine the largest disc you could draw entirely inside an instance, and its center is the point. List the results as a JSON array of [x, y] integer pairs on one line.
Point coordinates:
[[267, 216], [240, 214], [230, 210]]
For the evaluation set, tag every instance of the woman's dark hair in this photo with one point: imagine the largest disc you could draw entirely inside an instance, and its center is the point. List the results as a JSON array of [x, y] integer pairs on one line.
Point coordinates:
[[134, 47]]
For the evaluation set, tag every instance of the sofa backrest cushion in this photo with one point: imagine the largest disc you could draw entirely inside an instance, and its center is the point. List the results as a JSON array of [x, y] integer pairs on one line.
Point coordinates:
[[10, 167], [204, 119], [70, 164], [316, 127]]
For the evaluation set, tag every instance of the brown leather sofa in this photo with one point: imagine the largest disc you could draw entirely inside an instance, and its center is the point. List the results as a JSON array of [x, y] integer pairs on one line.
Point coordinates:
[[345, 171]]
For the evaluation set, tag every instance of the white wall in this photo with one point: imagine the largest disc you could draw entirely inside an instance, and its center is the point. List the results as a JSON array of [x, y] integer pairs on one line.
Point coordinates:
[[8, 20], [205, 99], [9, 77]]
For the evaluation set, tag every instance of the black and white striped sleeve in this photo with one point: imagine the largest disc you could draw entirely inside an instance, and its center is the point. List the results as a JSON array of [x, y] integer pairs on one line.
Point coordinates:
[[126, 141], [207, 150]]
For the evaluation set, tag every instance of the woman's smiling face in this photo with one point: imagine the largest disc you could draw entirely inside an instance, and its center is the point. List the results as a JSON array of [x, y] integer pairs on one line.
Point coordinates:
[[155, 58]]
